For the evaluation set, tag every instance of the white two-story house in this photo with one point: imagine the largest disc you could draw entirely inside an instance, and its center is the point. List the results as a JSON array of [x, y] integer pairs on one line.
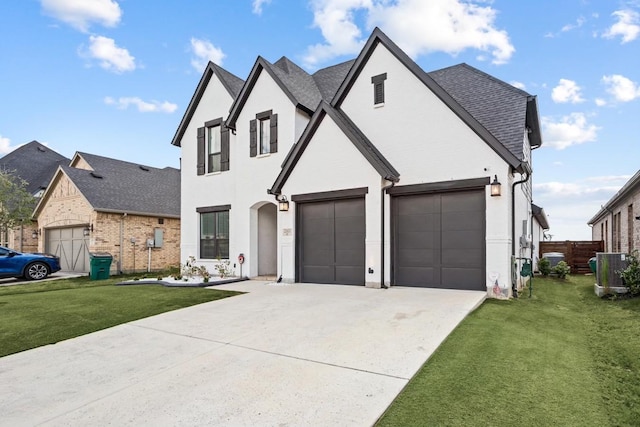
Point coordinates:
[[370, 172]]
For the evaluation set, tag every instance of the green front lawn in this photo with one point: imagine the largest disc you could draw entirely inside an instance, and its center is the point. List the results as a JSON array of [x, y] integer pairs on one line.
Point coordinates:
[[41, 313], [562, 358]]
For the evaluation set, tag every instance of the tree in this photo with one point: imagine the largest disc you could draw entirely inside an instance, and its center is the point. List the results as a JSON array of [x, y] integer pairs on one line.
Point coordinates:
[[16, 204]]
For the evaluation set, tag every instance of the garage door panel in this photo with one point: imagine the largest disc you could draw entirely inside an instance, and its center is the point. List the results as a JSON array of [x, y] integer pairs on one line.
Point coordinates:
[[349, 208], [462, 221], [349, 275], [470, 258], [317, 274], [71, 246], [420, 240], [443, 239], [348, 257], [413, 223], [349, 225], [418, 257], [419, 276]]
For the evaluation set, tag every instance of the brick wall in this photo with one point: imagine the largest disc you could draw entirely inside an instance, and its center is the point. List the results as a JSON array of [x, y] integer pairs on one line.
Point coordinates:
[[20, 238], [132, 231]]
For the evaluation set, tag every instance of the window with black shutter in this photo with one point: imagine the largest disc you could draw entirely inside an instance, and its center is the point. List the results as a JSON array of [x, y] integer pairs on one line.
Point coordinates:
[[378, 88], [263, 134], [213, 147]]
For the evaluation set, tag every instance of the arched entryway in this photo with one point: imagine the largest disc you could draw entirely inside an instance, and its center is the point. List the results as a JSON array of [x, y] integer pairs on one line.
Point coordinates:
[[264, 239]]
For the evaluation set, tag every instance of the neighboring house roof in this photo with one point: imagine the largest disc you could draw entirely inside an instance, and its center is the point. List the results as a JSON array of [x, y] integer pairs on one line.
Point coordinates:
[[359, 140], [628, 189], [540, 216], [467, 100], [34, 163], [124, 187], [303, 89], [231, 83]]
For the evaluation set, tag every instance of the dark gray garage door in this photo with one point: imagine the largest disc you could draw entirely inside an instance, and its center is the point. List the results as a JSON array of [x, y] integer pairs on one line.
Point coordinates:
[[439, 240], [331, 241]]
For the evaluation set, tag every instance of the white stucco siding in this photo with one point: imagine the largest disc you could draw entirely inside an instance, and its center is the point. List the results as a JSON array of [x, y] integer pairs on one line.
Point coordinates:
[[205, 190], [427, 142], [331, 162], [254, 175]]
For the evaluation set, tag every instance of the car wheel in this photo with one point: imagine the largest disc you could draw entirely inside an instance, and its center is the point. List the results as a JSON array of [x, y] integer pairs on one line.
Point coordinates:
[[36, 271]]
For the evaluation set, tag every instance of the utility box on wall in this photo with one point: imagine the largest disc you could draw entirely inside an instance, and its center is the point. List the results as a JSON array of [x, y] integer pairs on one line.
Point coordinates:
[[158, 235]]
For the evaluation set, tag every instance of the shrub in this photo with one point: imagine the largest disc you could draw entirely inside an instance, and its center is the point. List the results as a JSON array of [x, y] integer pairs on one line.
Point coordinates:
[[631, 275], [544, 266], [562, 269]]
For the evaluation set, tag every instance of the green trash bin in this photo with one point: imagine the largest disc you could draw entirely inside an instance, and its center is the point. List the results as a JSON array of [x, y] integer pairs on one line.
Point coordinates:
[[100, 265], [593, 264]]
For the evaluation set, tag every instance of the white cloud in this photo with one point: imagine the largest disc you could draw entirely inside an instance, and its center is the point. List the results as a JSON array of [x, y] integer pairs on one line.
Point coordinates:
[[570, 130], [80, 14], [600, 102], [579, 23], [5, 145], [622, 88], [143, 106], [110, 56], [257, 6], [519, 85], [570, 205], [417, 26], [566, 91], [627, 26], [204, 52]]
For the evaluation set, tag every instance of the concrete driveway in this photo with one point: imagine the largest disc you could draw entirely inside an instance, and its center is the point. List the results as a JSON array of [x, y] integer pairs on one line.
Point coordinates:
[[281, 355]]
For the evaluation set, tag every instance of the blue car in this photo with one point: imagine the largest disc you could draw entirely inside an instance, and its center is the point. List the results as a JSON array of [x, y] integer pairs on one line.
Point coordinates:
[[28, 266]]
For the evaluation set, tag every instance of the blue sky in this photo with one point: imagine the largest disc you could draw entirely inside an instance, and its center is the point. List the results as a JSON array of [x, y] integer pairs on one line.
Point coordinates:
[[114, 77]]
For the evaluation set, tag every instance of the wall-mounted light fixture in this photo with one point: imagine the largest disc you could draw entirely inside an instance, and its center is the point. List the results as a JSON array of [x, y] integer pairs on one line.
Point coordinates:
[[283, 204], [495, 187], [87, 230], [35, 233]]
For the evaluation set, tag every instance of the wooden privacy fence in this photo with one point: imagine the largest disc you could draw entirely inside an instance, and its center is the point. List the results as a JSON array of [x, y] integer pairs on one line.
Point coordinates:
[[576, 253]]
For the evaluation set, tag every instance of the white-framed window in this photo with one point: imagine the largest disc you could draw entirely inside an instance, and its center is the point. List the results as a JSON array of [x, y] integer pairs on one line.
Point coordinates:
[[264, 129], [214, 149]]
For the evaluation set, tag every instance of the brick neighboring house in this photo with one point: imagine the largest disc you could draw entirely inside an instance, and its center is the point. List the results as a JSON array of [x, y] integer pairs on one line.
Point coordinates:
[[34, 163], [99, 204], [618, 221]]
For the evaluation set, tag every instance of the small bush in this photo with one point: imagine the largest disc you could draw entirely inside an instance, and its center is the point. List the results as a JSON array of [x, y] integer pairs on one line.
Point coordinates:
[[631, 275], [544, 266], [562, 269]]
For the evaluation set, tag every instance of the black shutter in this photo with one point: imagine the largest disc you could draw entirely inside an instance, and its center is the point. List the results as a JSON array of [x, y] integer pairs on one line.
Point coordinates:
[[224, 149], [378, 96], [273, 134], [253, 138], [201, 151]]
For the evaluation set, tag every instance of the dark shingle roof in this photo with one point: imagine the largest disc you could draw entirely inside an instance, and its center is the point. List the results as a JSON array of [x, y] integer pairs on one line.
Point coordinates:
[[540, 216], [34, 163], [496, 105], [303, 89], [119, 186]]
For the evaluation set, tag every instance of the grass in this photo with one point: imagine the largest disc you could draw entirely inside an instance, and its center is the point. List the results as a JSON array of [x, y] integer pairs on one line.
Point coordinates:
[[564, 358], [40, 313]]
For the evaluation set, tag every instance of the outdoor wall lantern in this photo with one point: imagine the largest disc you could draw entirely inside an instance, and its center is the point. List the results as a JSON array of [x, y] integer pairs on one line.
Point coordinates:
[[87, 230], [495, 186], [35, 233], [283, 204]]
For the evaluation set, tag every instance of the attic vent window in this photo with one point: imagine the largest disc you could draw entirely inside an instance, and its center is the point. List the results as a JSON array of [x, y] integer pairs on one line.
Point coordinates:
[[378, 88], [96, 175], [144, 168]]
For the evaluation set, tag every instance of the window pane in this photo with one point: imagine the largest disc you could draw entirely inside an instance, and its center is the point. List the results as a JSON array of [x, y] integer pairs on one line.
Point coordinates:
[[214, 148], [214, 235], [214, 163], [207, 225], [223, 225], [265, 146]]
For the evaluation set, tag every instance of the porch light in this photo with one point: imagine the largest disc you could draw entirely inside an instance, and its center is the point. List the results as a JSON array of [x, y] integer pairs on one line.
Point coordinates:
[[35, 233], [87, 230], [495, 186], [283, 204]]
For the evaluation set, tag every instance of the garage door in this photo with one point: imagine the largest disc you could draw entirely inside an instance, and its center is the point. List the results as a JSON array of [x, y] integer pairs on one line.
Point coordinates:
[[439, 240], [71, 246], [331, 241]]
